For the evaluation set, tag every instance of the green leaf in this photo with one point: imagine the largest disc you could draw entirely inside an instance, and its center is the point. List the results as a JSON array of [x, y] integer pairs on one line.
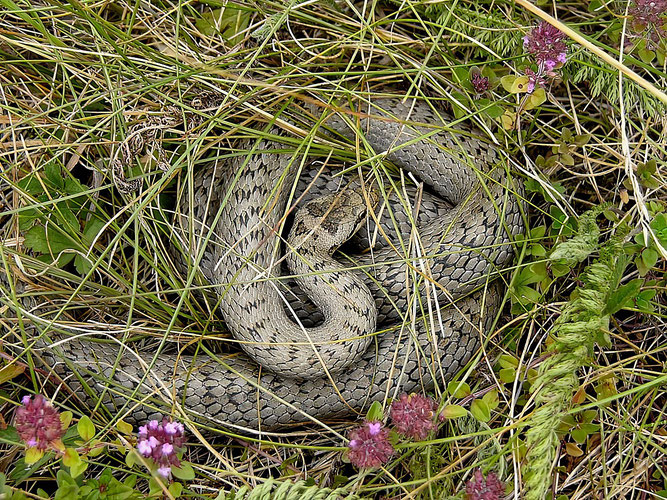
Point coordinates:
[[154, 488], [491, 399], [51, 242], [459, 112], [590, 428], [528, 276], [507, 81], [538, 250], [66, 418], [561, 222], [646, 55], [71, 457], [508, 361], [507, 375], [579, 435], [176, 489], [566, 135], [131, 458], [494, 111], [93, 227], [67, 487], [644, 299], [622, 296], [526, 295], [73, 186], [559, 270], [82, 264], [184, 472], [567, 159], [454, 411], [463, 74], [592, 7], [124, 427], [508, 120], [86, 428], [458, 389], [54, 175], [230, 21], [9, 372], [514, 84], [31, 185], [537, 98], [650, 257], [33, 455], [375, 412], [130, 481], [28, 217], [480, 410], [79, 468], [95, 448], [67, 221]]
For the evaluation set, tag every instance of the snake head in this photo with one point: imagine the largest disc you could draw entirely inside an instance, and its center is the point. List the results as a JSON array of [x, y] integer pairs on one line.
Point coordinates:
[[327, 222]]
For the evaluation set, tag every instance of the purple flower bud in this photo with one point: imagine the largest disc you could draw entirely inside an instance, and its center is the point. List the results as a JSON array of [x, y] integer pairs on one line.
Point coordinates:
[[480, 83], [413, 415], [650, 16], [160, 443], [369, 445], [534, 80], [165, 472], [374, 428], [547, 44], [38, 422], [144, 448], [480, 488]]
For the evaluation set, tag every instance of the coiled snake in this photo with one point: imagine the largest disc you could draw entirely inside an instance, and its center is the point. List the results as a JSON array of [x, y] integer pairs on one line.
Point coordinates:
[[327, 370]]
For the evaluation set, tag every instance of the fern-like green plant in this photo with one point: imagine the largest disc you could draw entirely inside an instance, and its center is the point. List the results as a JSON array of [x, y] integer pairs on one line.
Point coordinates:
[[602, 82], [287, 490], [584, 321], [475, 21]]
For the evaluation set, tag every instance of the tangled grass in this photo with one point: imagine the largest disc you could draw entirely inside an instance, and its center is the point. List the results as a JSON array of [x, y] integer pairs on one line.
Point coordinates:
[[83, 230]]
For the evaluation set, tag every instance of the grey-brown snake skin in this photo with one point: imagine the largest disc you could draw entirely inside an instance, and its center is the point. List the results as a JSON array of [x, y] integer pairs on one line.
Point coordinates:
[[242, 202]]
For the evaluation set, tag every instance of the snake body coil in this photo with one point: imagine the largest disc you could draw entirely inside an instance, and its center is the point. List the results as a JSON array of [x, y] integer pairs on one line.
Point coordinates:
[[290, 373]]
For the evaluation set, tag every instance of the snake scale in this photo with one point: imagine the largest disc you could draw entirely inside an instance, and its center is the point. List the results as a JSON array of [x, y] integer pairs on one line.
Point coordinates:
[[290, 371]]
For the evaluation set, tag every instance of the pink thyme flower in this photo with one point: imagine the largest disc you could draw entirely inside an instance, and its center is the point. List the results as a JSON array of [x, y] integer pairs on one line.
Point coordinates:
[[369, 445], [480, 83], [165, 472], [38, 422], [534, 80], [649, 12], [413, 415], [649, 16], [479, 488], [161, 441], [546, 43]]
